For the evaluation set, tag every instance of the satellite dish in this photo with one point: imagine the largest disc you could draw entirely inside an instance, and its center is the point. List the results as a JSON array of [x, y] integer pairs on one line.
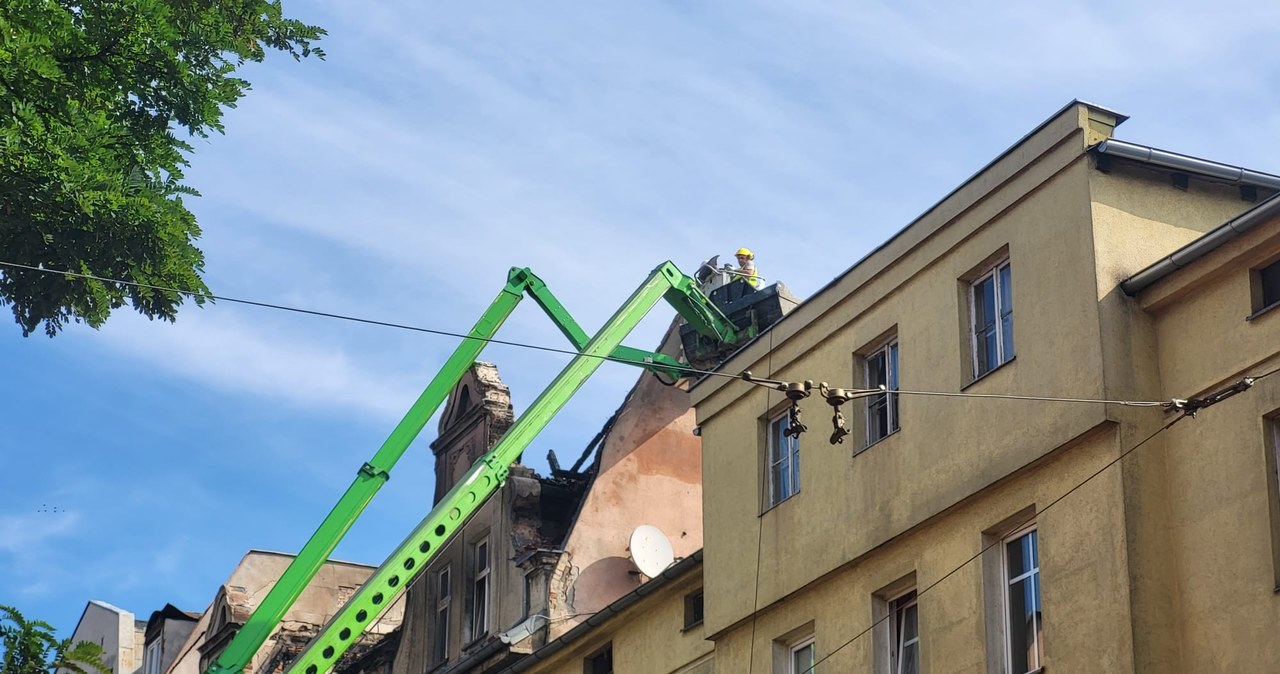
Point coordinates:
[[650, 550]]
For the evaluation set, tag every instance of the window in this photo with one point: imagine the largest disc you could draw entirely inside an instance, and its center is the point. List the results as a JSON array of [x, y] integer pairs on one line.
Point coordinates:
[[526, 603], [784, 461], [1267, 287], [693, 608], [1271, 444], [991, 318], [1023, 627], [440, 651], [882, 410], [802, 658], [480, 589], [600, 663], [904, 658], [151, 660]]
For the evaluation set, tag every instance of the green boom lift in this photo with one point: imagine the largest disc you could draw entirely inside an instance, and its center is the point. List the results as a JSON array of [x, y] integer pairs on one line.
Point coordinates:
[[483, 479]]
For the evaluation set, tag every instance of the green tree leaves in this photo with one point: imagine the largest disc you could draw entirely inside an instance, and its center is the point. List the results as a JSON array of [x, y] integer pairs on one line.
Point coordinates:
[[93, 100], [30, 648]]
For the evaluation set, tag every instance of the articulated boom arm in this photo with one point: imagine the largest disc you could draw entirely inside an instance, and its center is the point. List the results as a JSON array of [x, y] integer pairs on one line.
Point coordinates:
[[484, 478]]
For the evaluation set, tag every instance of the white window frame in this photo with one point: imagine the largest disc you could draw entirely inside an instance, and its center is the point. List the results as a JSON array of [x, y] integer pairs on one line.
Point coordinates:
[[897, 610], [793, 649], [481, 588], [444, 601], [1035, 658], [890, 353], [1003, 307], [776, 461], [151, 657]]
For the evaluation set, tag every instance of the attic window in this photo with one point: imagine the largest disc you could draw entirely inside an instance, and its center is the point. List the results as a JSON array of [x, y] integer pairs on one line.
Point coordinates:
[[1266, 287], [693, 609], [464, 399]]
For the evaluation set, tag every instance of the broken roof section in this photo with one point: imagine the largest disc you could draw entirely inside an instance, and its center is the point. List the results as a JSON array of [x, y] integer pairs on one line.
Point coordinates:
[[558, 543], [236, 599]]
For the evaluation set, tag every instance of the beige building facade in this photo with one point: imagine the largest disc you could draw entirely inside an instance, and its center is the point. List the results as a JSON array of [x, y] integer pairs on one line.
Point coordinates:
[[117, 631], [237, 598], [995, 534]]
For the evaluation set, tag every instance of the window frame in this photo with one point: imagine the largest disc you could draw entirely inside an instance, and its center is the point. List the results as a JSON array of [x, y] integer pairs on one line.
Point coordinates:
[[1265, 278], [589, 663], [897, 608], [774, 461], [1002, 309], [444, 604], [793, 648], [1007, 582], [152, 655], [1271, 456], [481, 580], [694, 608], [891, 354]]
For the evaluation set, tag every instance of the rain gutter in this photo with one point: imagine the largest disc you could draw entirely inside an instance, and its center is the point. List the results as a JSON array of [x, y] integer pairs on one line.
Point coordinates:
[[1235, 175], [1202, 246]]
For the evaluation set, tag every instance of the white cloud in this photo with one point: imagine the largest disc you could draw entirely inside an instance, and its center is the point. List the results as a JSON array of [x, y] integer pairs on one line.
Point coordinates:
[[28, 535], [214, 347]]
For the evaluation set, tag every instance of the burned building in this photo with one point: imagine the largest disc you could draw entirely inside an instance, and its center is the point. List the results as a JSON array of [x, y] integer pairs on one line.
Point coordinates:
[[550, 550]]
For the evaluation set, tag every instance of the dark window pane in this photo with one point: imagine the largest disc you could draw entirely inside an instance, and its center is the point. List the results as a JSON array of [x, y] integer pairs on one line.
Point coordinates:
[[693, 609], [893, 386], [877, 418], [601, 663], [1021, 554], [984, 304], [876, 370], [1019, 628], [442, 635], [1269, 277]]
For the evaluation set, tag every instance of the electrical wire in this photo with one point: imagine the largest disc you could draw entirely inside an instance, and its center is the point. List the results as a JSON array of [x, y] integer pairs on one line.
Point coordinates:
[[692, 371], [1266, 374], [1048, 399], [994, 543], [755, 599], [366, 321]]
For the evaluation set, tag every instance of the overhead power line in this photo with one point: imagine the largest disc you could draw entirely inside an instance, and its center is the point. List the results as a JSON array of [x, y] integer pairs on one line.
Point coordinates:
[[353, 319], [693, 371]]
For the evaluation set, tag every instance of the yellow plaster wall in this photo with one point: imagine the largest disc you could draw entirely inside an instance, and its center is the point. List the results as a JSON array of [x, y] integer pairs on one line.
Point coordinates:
[[1225, 521], [647, 637], [1082, 571], [948, 448]]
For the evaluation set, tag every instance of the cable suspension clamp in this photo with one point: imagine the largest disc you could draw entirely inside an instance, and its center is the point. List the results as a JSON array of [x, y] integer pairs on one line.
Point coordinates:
[[796, 391], [1190, 406], [836, 397]]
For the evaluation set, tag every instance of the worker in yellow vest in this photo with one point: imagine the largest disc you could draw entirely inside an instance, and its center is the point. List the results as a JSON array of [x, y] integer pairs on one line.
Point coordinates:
[[747, 266]]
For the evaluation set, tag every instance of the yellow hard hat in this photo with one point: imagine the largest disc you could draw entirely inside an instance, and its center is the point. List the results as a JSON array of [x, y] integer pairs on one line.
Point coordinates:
[[745, 251]]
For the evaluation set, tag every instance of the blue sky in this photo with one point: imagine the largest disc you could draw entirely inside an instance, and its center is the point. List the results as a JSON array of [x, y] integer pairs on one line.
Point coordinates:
[[442, 143]]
